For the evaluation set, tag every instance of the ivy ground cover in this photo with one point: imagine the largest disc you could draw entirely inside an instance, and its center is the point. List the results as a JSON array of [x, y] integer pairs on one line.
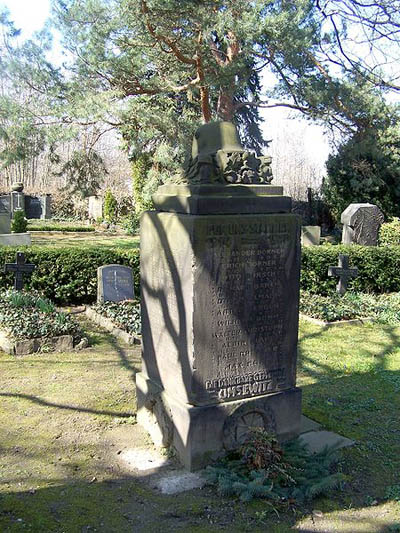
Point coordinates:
[[28, 315]]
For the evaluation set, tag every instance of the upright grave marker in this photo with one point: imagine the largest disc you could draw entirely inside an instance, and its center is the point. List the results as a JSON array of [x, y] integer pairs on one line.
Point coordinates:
[[361, 223], [220, 264], [20, 267], [344, 272], [114, 283]]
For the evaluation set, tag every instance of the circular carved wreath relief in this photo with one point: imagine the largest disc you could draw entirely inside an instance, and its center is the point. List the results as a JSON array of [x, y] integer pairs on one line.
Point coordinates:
[[242, 421]]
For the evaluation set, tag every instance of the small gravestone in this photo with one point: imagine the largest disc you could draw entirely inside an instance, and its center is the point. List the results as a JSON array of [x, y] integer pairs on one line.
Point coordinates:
[[361, 223], [310, 235], [5, 220], [343, 272], [20, 267], [114, 283], [95, 207]]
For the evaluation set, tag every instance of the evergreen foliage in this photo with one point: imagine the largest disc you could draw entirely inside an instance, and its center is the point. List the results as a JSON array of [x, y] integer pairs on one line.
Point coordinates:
[[19, 223], [110, 207], [366, 168], [140, 168], [389, 233], [84, 171], [290, 474]]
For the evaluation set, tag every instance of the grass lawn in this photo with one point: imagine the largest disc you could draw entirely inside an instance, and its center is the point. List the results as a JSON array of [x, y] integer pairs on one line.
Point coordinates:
[[65, 417], [79, 239]]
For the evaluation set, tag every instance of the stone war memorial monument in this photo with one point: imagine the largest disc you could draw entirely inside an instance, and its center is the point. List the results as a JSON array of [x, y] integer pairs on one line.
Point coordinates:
[[220, 265]]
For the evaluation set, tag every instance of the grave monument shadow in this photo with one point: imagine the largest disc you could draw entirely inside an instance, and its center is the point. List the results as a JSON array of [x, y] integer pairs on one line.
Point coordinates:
[[220, 263]]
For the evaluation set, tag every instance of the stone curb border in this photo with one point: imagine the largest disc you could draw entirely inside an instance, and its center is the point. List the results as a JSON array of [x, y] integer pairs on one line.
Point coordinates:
[[63, 343], [107, 324], [354, 321]]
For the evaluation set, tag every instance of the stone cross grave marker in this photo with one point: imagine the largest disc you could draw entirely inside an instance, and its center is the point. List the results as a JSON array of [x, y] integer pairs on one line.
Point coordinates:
[[20, 267], [114, 283], [344, 273]]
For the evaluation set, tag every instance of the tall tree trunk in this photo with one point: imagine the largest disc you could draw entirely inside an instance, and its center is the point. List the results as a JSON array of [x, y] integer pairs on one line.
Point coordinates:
[[225, 109], [205, 104]]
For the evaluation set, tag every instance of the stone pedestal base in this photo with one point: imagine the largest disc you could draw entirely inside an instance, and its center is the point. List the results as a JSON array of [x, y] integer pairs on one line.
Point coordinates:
[[201, 434]]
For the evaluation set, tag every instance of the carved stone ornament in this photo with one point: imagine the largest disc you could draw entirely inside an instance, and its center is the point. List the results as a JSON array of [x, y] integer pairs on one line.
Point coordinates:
[[219, 158], [244, 420]]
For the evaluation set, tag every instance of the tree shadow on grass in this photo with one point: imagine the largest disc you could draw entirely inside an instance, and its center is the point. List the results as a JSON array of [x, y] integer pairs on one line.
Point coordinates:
[[45, 403], [357, 395]]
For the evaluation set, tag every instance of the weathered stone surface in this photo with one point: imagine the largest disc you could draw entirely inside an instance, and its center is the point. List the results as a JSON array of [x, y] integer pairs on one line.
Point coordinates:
[[114, 283], [107, 324], [221, 199], [63, 343], [316, 441], [219, 330], [201, 434], [15, 239], [220, 304], [5, 223], [361, 223], [45, 204], [310, 235], [17, 201]]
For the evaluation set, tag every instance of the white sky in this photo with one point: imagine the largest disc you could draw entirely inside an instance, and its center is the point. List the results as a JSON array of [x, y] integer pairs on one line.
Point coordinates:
[[30, 16]]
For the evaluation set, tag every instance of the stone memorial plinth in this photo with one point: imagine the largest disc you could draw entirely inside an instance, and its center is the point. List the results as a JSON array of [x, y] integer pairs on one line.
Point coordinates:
[[361, 223], [114, 283], [220, 305]]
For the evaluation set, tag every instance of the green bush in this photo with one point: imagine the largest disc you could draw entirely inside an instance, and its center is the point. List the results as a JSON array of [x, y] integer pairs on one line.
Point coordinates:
[[131, 224], [19, 222], [378, 268], [110, 207], [389, 233], [68, 275], [382, 307]]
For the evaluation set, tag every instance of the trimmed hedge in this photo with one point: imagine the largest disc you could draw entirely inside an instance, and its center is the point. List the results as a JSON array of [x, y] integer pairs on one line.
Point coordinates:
[[378, 268], [389, 233], [58, 226], [68, 275]]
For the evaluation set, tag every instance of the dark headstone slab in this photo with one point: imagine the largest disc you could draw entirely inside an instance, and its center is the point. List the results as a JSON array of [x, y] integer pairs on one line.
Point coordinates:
[[361, 223], [5, 203], [33, 207], [114, 283]]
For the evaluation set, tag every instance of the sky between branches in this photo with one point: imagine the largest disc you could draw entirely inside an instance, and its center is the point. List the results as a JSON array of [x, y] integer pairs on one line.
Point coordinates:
[[31, 15]]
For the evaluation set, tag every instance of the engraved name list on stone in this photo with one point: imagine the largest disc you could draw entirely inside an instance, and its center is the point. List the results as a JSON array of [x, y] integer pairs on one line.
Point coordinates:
[[244, 307]]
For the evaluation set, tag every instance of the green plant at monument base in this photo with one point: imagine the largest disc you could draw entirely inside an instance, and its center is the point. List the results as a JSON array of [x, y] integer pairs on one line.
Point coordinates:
[[284, 476], [389, 233], [19, 222], [385, 308], [28, 315], [125, 314]]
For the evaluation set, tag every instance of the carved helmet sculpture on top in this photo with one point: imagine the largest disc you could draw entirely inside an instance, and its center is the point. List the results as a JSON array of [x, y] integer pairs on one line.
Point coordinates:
[[218, 157]]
